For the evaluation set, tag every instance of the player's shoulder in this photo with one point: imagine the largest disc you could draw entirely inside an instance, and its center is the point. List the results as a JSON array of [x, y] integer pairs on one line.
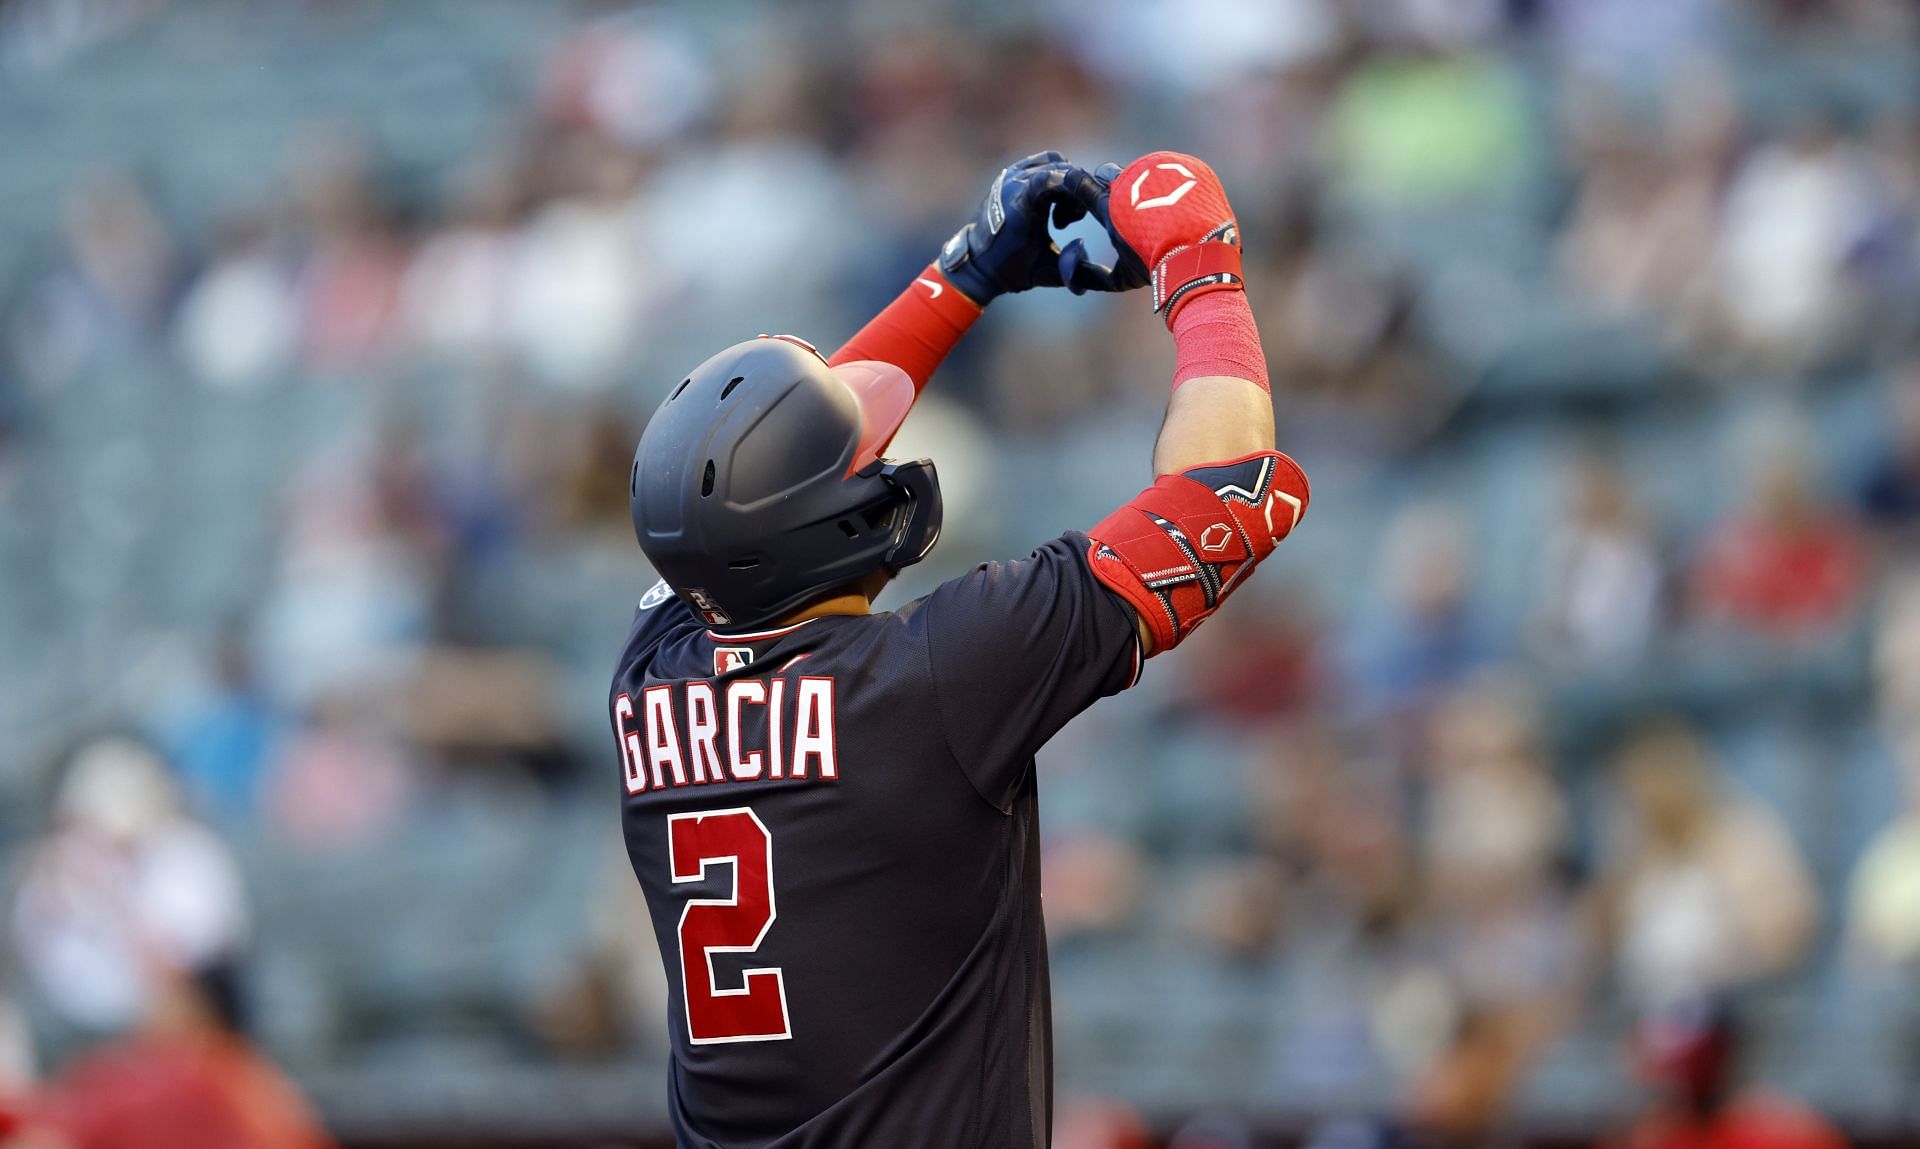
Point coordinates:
[[1005, 604], [659, 617], [1011, 585]]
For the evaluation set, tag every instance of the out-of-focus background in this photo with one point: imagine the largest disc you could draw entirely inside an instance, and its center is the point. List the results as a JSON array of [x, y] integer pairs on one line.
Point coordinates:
[[1560, 772]]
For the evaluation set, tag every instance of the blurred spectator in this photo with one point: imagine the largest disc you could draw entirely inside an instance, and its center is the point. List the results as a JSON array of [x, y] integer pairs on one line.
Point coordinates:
[[1639, 240], [239, 324], [359, 568], [1690, 1056], [1266, 662], [593, 496], [1093, 886], [1896, 654], [613, 997], [1496, 829], [339, 782], [1237, 909], [125, 892], [184, 1077], [713, 247], [1705, 889], [112, 282], [1338, 824], [1099, 1123], [1427, 636], [1626, 44], [1339, 329], [179, 1086], [458, 292], [1435, 125], [1146, 39], [637, 78], [1795, 213], [1494, 815], [1601, 594], [585, 272], [222, 744], [349, 280], [1883, 895], [1784, 563], [1889, 497], [1503, 923], [1463, 1096]]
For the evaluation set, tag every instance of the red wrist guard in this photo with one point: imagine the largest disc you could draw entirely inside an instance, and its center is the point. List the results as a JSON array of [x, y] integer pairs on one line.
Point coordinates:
[[1215, 335], [1182, 545], [917, 330], [1186, 273]]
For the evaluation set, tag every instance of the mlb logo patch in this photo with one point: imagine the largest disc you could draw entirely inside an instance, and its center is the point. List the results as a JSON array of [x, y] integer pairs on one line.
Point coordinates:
[[728, 658]]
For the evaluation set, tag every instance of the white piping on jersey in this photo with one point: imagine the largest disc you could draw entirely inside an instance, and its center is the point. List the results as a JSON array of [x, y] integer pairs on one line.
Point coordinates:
[[751, 635]]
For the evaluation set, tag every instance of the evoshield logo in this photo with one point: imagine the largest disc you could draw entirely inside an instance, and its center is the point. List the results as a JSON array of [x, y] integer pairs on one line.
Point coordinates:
[[1170, 198]]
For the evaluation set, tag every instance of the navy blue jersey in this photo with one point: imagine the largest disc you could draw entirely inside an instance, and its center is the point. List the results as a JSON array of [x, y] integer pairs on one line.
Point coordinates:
[[835, 826]]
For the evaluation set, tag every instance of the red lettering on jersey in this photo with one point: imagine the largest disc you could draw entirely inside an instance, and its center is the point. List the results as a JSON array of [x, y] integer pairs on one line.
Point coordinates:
[[814, 735], [703, 727], [663, 737], [757, 1009], [629, 744], [739, 694]]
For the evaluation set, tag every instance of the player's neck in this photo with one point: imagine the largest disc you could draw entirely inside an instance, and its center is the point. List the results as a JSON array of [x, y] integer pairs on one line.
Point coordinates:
[[852, 602], [853, 598]]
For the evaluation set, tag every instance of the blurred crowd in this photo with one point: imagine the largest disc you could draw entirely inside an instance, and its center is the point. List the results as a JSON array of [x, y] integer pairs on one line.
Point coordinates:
[[1588, 702]]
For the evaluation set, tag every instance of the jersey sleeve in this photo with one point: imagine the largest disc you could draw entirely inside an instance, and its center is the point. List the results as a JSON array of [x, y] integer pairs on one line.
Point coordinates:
[[1016, 650]]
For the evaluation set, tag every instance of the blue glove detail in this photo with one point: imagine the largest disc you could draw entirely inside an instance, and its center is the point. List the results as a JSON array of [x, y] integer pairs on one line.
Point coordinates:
[[1129, 267], [1007, 246]]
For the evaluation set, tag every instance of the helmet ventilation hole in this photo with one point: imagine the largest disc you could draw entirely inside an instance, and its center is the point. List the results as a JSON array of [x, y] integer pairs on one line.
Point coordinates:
[[731, 384], [633, 479], [682, 387], [706, 481], [849, 529], [743, 564]]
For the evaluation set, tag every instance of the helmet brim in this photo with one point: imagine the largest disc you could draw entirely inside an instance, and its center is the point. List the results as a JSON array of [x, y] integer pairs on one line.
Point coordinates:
[[886, 394]]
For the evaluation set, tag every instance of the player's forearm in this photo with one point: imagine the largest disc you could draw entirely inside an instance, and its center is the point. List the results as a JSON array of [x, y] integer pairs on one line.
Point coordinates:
[[1210, 419], [1221, 406], [917, 331]]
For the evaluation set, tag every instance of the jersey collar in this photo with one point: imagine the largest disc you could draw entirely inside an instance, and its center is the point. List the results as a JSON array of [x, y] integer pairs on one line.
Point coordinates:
[[761, 635]]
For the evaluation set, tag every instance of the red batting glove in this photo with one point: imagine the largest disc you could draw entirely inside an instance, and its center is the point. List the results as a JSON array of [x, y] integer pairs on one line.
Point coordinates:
[[1170, 211]]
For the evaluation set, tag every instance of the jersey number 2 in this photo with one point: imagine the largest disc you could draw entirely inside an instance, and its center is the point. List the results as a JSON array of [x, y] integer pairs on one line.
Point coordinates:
[[757, 1011]]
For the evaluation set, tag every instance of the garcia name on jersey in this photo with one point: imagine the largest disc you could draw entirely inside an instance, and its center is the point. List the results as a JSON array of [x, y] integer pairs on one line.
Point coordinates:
[[694, 733]]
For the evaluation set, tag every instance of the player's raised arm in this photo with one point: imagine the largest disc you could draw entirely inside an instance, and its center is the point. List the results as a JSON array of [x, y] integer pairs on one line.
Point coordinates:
[[1224, 497], [1005, 248]]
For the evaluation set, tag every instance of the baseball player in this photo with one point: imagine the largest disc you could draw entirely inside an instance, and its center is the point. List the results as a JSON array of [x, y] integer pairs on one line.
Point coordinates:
[[831, 810]]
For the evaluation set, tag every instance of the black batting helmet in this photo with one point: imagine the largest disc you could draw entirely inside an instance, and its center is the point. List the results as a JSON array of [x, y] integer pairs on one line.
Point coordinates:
[[759, 482]]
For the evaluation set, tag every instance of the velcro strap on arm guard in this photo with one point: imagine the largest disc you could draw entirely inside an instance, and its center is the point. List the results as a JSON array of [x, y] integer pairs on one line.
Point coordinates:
[[1182, 545], [1188, 272]]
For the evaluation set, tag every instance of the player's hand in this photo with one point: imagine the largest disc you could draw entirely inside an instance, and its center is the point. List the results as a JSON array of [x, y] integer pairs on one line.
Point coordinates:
[[1007, 247], [1170, 219]]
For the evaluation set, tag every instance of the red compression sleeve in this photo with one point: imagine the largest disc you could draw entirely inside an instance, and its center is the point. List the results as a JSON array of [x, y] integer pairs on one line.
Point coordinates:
[[1213, 334], [917, 330]]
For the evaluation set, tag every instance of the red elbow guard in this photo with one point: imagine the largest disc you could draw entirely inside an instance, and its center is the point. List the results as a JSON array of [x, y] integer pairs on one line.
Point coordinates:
[[1182, 545]]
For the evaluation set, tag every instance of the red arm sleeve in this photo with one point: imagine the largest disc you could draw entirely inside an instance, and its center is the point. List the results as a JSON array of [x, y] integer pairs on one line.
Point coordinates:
[[917, 330]]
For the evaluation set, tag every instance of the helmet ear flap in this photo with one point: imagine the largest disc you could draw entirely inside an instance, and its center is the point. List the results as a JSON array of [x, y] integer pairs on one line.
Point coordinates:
[[918, 528]]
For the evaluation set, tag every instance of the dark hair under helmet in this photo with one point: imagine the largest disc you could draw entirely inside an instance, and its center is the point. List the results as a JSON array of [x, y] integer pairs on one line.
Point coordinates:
[[759, 483]]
